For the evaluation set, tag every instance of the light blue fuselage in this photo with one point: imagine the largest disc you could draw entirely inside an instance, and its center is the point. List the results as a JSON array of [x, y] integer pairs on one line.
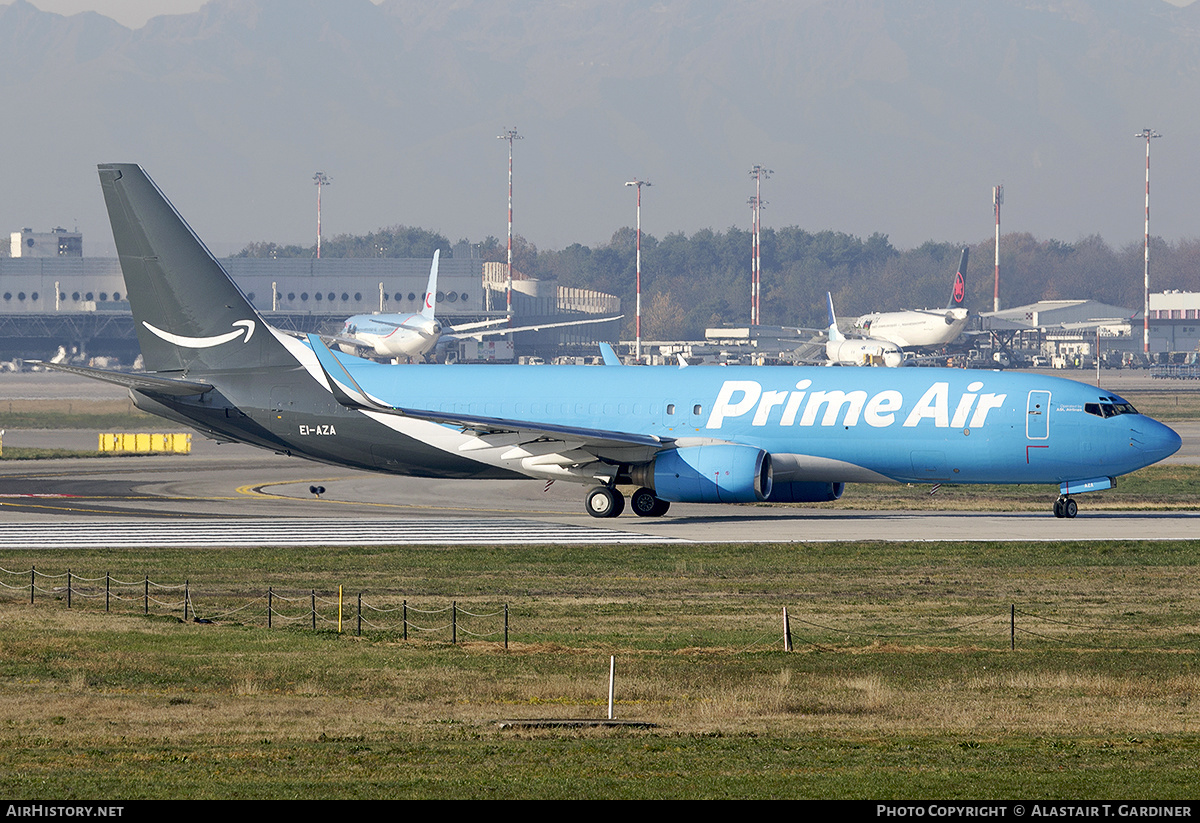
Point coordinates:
[[847, 424]]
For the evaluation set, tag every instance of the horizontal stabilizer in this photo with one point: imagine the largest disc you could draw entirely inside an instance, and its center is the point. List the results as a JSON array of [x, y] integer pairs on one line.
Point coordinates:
[[172, 386]]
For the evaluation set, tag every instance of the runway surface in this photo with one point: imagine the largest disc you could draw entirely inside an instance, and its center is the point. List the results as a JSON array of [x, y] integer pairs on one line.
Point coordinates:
[[244, 497], [231, 495]]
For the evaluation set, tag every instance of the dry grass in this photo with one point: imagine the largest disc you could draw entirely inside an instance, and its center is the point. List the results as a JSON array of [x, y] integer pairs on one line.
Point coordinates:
[[901, 667]]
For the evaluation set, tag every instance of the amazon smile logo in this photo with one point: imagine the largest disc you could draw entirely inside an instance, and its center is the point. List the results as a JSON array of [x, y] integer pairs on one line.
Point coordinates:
[[247, 327]]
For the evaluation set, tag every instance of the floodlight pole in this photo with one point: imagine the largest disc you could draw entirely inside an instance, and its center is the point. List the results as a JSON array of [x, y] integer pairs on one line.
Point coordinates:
[[753, 201], [322, 180], [638, 323], [510, 135], [759, 173], [1148, 135]]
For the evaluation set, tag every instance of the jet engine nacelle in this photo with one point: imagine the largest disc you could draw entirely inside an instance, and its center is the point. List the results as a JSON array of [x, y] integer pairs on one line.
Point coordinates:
[[715, 473], [805, 492]]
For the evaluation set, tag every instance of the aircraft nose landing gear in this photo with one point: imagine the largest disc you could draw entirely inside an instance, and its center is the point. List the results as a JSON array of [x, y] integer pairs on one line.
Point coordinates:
[[1065, 507]]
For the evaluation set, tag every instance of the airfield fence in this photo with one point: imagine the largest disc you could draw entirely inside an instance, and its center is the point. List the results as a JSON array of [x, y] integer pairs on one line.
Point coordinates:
[[309, 608], [395, 615], [1176, 371]]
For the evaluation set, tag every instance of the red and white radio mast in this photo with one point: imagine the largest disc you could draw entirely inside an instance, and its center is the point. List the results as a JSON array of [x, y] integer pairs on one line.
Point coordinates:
[[997, 201], [1148, 134]]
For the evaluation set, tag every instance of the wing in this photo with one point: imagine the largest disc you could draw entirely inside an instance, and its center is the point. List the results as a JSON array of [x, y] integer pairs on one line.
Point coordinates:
[[459, 334], [482, 324], [574, 443]]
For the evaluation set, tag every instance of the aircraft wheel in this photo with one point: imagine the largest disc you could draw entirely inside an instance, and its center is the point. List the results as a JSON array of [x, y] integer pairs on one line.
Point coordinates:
[[604, 502], [1066, 507], [645, 504]]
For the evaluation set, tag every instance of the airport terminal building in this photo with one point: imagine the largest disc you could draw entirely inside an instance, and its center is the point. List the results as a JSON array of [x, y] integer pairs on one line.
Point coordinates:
[[65, 299]]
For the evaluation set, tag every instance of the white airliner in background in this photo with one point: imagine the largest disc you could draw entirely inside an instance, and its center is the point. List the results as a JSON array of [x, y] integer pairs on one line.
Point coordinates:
[[858, 351], [922, 328], [415, 335]]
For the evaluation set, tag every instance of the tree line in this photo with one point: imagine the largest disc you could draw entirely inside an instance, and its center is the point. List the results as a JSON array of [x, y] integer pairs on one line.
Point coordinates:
[[690, 283]]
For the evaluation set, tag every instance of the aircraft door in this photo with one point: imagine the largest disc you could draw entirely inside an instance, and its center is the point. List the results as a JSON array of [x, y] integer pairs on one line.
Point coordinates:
[[1037, 416]]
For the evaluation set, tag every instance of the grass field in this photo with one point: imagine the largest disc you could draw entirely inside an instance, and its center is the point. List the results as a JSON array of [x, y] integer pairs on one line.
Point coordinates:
[[74, 414], [1167, 404], [902, 683]]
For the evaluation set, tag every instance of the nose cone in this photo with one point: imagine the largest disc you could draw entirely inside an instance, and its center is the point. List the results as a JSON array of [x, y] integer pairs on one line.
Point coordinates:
[[1154, 440]]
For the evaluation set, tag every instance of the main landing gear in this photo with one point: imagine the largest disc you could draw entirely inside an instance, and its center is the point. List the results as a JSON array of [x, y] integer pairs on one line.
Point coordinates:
[[1065, 507], [606, 501]]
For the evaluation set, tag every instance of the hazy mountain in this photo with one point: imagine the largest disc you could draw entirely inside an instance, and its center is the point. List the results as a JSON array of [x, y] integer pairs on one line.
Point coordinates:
[[876, 115]]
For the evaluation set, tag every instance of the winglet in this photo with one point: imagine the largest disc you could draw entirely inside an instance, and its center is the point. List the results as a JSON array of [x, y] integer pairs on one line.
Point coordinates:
[[345, 388], [609, 354]]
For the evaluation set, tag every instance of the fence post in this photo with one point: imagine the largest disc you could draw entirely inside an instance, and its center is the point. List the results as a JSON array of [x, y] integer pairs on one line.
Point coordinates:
[[359, 632], [146, 595], [1012, 627], [68, 588], [612, 676], [506, 625], [405, 618], [32, 582], [787, 631], [453, 622], [270, 594], [312, 605], [107, 590], [187, 596]]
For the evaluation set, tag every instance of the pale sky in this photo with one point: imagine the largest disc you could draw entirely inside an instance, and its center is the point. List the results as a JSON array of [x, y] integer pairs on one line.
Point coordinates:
[[134, 13]]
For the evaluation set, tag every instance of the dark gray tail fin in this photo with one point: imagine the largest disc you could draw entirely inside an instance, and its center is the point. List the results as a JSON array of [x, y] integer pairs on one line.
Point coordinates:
[[190, 316], [958, 292]]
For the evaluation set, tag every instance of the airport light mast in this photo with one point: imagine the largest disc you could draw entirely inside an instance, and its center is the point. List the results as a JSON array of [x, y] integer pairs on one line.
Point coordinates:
[[638, 322], [756, 206], [322, 180], [759, 173], [997, 201], [1148, 135], [510, 135]]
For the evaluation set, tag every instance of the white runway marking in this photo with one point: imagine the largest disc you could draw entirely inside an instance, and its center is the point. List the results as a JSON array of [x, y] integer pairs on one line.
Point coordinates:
[[301, 532]]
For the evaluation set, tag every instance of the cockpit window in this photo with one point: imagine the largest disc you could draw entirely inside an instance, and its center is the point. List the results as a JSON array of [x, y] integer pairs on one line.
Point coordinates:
[[1109, 407]]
